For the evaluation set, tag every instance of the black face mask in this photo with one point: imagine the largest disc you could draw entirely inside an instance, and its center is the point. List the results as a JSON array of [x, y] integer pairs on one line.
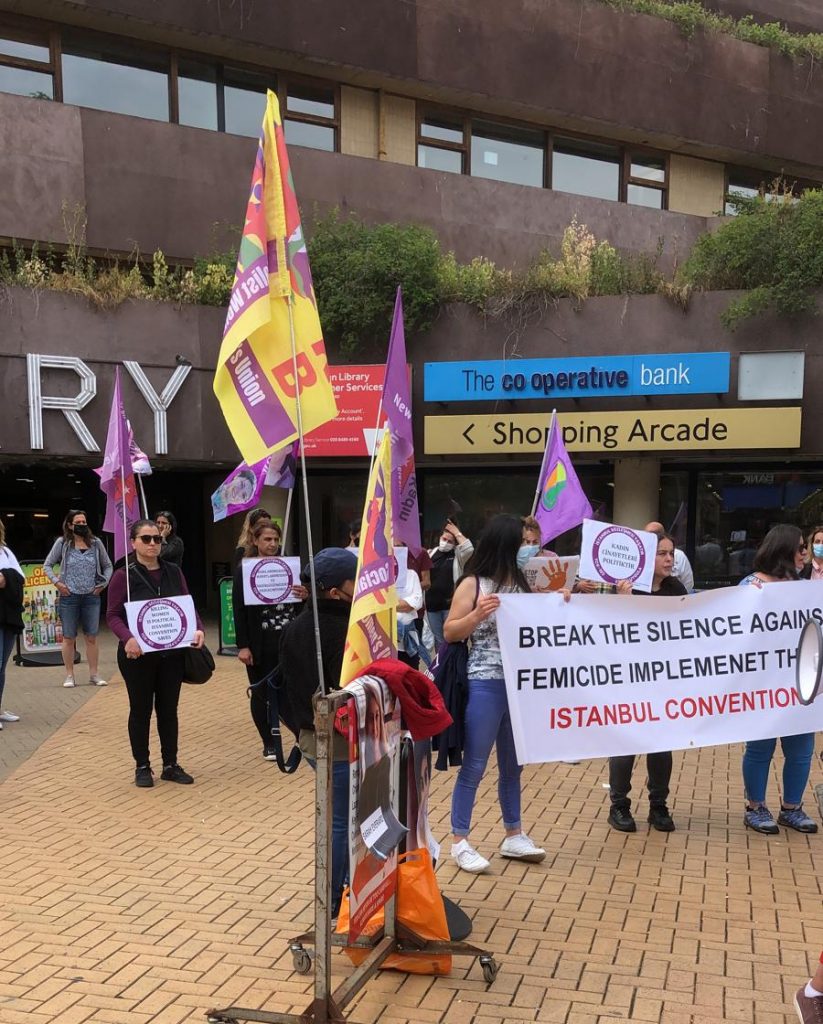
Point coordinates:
[[81, 531]]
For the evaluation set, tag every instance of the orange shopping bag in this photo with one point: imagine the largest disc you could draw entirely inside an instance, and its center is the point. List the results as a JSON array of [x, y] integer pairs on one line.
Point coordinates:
[[419, 907]]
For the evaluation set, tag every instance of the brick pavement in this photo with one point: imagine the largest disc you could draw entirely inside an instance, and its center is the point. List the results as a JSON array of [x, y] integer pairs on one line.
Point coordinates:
[[126, 906]]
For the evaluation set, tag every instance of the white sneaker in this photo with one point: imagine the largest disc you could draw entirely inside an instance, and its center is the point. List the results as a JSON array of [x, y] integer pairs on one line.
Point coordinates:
[[468, 859], [69, 681], [7, 716], [97, 681], [521, 848]]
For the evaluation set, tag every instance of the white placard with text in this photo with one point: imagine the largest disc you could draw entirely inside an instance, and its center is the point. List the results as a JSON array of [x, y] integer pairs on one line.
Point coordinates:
[[162, 623], [270, 580], [611, 554]]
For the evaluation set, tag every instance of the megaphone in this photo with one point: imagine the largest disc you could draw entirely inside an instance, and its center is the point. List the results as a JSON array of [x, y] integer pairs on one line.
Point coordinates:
[[809, 662]]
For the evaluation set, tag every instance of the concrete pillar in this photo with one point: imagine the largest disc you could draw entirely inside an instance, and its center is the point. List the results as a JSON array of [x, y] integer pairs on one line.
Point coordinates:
[[636, 491]]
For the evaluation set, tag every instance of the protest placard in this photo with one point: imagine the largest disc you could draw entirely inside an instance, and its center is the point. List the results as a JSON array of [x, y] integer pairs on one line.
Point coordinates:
[[162, 623], [607, 675], [610, 554], [270, 580], [545, 575]]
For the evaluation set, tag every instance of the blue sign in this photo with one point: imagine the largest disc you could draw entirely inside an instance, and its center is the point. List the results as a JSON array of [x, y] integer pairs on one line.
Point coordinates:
[[680, 373]]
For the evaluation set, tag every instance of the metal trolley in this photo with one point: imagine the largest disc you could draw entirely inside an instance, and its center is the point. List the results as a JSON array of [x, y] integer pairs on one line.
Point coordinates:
[[327, 1006]]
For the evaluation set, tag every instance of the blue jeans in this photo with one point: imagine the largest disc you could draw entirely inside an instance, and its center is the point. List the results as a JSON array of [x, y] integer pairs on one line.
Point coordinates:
[[436, 620], [797, 761], [339, 831], [487, 723], [80, 610], [7, 640]]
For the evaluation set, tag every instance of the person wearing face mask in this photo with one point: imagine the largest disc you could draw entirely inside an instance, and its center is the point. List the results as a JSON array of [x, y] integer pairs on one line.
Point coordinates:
[[448, 562], [84, 572], [259, 628], [335, 571], [813, 569]]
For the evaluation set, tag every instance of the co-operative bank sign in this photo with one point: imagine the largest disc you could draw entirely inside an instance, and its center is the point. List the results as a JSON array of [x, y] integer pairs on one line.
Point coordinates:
[[683, 373]]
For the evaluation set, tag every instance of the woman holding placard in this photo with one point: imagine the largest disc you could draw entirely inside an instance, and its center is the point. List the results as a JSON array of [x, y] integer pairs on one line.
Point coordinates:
[[780, 557], [493, 569], [259, 627], [152, 679], [659, 763]]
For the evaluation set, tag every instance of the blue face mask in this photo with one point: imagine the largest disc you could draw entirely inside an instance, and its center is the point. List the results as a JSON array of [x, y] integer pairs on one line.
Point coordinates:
[[526, 552], [817, 550]]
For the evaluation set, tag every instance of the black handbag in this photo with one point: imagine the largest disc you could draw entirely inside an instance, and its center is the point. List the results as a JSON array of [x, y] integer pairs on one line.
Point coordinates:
[[198, 665]]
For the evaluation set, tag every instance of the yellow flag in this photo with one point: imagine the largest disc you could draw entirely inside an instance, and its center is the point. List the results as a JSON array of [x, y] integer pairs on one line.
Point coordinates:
[[373, 620], [254, 380]]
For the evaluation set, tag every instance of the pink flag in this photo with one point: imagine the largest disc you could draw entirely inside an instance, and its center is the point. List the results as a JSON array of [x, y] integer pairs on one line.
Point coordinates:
[[117, 476], [560, 501], [397, 406]]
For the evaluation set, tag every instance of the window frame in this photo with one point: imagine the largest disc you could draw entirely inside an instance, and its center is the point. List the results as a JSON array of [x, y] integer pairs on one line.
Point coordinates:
[[424, 111], [50, 33], [286, 79], [629, 154]]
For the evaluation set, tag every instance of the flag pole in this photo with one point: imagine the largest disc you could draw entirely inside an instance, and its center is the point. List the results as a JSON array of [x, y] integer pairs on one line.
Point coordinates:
[[552, 428], [286, 521], [382, 392], [309, 542], [125, 530], [142, 494]]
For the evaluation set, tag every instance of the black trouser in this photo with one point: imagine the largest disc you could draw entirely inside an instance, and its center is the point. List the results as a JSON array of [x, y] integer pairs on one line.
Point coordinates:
[[659, 767], [407, 659], [259, 702], [152, 680]]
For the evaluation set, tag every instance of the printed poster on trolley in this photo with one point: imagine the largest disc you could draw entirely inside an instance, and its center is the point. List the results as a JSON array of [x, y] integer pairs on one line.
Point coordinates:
[[42, 629], [374, 828]]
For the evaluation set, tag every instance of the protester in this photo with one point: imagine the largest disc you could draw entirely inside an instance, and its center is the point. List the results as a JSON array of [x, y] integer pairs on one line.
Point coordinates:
[[808, 1000], [492, 570], [532, 541], [11, 613], [259, 628], [409, 603], [448, 561], [172, 549], [151, 679], [682, 566], [659, 763], [813, 569], [780, 557], [335, 572], [245, 539], [85, 570]]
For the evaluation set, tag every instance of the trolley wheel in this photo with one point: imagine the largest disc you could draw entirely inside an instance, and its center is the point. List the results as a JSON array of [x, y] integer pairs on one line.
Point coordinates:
[[218, 1018], [490, 967], [301, 959]]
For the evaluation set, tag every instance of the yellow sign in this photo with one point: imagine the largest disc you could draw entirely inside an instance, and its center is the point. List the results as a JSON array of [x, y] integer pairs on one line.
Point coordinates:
[[650, 430]]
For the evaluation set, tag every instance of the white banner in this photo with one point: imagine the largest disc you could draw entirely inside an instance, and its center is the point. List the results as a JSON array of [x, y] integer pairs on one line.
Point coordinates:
[[545, 575], [270, 580], [162, 623], [604, 675], [613, 553]]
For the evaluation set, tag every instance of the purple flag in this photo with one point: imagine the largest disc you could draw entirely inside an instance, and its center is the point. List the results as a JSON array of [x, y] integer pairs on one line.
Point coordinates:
[[240, 490], [117, 476], [561, 503], [397, 406], [282, 467]]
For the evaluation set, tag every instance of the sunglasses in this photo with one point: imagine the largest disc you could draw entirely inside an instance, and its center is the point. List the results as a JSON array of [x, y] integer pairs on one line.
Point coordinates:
[[150, 538]]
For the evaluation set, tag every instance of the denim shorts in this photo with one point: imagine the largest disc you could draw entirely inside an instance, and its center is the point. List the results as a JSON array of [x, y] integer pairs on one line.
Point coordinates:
[[80, 610]]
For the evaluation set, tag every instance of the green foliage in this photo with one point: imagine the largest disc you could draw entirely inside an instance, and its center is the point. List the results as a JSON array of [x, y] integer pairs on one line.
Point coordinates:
[[773, 250], [356, 270], [690, 15]]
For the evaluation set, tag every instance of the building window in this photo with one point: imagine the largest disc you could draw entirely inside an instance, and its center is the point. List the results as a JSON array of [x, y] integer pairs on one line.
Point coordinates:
[[310, 115], [748, 183], [586, 168], [197, 94], [111, 75], [507, 153], [27, 62], [441, 143], [646, 179], [244, 101]]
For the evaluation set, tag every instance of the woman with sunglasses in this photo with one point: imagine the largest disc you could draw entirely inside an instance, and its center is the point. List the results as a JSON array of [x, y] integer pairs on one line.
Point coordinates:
[[85, 570], [152, 680], [780, 557]]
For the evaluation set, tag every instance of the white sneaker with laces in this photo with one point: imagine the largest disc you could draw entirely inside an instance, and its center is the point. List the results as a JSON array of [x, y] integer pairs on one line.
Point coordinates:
[[69, 681], [97, 681], [522, 848], [468, 859], [7, 716]]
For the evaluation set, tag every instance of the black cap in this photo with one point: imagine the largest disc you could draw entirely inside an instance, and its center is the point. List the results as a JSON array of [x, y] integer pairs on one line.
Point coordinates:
[[332, 567]]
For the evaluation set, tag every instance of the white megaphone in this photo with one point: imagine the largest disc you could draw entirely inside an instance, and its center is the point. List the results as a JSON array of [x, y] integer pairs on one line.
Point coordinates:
[[809, 661]]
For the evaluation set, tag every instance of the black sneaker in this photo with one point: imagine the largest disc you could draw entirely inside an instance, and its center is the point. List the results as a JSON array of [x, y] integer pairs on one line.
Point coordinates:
[[269, 753], [174, 773], [660, 818], [144, 777], [620, 818]]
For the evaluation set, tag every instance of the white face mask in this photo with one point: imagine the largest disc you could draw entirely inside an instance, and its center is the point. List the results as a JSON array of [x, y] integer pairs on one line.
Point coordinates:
[[445, 546]]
